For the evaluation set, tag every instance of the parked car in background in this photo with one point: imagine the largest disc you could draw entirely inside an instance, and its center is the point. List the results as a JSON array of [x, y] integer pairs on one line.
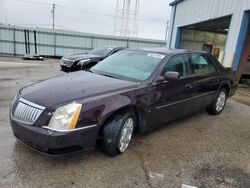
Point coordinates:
[[85, 61], [132, 90]]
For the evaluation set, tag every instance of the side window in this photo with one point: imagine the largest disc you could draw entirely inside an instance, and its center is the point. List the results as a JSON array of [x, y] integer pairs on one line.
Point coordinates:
[[201, 64], [178, 63]]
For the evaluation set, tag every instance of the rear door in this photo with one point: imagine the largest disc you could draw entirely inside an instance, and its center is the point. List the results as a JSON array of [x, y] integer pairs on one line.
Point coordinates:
[[206, 79], [174, 96]]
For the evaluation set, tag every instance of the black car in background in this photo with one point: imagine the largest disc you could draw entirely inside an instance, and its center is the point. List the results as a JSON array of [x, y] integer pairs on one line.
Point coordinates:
[[85, 61]]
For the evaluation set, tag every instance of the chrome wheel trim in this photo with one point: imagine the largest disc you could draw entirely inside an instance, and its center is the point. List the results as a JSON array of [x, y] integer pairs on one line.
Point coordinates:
[[126, 134], [221, 100]]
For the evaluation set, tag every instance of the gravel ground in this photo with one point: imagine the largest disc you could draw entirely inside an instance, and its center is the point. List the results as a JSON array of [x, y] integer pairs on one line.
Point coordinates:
[[201, 150]]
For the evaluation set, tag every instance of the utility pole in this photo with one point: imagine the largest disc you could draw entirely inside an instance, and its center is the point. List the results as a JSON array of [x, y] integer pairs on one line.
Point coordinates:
[[116, 15], [167, 30], [53, 15]]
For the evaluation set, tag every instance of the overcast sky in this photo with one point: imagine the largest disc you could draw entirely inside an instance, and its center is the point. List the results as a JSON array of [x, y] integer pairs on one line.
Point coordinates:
[[91, 16]]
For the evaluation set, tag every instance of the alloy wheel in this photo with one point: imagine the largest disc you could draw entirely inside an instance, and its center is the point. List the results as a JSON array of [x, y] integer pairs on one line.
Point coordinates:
[[126, 134], [221, 100]]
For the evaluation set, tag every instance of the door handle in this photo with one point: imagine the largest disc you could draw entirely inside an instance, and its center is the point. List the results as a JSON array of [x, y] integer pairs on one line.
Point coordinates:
[[188, 86]]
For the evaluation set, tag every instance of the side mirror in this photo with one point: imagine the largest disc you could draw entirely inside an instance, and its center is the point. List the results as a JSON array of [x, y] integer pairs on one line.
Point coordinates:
[[169, 76]]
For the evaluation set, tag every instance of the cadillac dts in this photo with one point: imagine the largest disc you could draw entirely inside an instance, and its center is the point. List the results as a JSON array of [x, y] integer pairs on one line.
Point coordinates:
[[130, 91]]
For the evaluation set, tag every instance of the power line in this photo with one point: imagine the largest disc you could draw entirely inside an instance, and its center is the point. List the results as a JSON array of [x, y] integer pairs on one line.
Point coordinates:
[[34, 2], [83, 12], [106, 15], [19, 14], [62, 25], [88, 12]]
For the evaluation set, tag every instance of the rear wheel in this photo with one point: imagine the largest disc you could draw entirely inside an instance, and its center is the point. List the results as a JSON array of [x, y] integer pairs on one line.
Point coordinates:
[[118, 133], [219, 102]]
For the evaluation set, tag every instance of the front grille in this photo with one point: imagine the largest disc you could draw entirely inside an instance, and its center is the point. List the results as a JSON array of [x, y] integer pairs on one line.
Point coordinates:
[[67, 62], [27, 112]]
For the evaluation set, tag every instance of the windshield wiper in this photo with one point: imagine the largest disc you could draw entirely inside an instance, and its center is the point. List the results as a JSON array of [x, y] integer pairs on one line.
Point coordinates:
[[100, 73], [90, 71], [108, 75]]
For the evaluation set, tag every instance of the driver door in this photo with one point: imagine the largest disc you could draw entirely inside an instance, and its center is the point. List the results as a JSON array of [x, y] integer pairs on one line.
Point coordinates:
[[175, 97]]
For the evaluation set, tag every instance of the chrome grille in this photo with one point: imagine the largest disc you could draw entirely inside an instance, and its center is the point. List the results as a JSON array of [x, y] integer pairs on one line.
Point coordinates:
[[27, 112], [67, 62]]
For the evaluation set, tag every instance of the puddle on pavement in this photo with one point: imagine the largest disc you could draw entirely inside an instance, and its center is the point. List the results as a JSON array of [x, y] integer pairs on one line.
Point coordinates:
[[6, 79], [221, 176]]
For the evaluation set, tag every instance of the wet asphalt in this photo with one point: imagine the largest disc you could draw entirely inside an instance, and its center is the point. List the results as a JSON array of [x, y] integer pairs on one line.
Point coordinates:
[[200, 150]]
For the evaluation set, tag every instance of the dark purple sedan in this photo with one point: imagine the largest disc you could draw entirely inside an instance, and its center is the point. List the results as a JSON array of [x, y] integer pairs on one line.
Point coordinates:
[[130, 91]]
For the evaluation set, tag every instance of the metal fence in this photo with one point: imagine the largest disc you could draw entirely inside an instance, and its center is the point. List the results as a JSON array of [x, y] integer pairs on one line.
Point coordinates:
[[17, 41]]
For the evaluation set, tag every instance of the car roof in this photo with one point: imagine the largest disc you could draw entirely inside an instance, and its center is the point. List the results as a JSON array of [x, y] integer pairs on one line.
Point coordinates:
[[168, 50]]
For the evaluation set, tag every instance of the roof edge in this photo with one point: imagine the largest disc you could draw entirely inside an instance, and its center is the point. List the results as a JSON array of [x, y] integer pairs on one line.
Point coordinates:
[[175, 2]]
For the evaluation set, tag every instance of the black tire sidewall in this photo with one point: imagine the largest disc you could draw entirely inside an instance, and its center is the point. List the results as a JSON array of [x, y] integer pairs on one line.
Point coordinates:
[[112, 131]]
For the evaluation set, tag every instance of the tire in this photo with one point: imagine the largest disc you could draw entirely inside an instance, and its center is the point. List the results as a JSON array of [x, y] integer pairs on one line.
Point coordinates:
[[114, 131], [218, 106]]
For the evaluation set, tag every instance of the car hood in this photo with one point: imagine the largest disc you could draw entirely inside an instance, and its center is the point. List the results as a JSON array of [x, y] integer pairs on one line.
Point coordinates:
[[67, 88], [77, 57]]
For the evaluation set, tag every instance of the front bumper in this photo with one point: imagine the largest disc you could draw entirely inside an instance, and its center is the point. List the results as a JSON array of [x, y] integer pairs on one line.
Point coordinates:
[[65, 69], [70, 67], [54, 142]]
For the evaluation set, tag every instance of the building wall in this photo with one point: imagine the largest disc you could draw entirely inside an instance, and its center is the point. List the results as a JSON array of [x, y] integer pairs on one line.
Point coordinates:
[[59, 42], [195, 11]]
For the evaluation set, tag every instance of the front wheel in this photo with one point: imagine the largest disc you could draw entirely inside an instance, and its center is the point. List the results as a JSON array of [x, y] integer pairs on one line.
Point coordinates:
[[219, 102], [118, 133]]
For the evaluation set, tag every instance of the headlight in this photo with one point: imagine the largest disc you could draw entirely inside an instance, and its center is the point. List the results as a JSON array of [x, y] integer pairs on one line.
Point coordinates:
[[65, 117], [81, 62], [62, 60]]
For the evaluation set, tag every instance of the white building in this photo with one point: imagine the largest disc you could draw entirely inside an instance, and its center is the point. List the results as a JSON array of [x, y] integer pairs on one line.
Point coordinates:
[[218, 26]]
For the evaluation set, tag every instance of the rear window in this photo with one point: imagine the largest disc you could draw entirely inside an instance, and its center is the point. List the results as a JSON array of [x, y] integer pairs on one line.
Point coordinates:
[[202, 65]]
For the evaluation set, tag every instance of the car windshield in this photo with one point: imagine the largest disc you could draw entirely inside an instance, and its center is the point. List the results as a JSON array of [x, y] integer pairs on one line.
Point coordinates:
[[100, 51], [129, 65]]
